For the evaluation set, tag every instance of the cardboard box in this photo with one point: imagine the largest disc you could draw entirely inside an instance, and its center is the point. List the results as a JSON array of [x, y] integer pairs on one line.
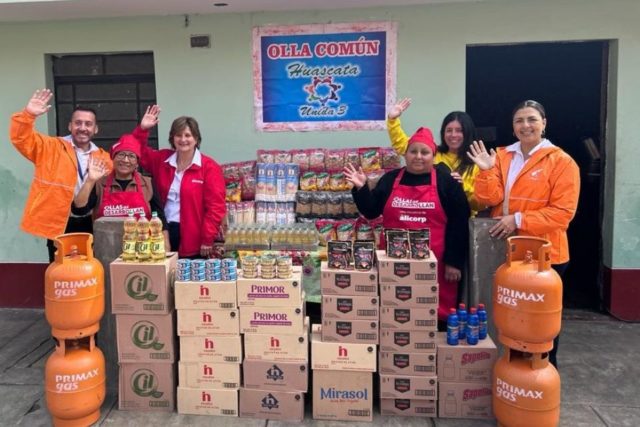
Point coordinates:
[[212, 349], [407, 341], [206, 295], [465, 400], [349, 307], [406, 271], [342, 396], [408, 387], [408, 295], [278, 347], [209, 375], [412, 319], [142, 288], [416, 364], [354, 331], [409, 407], [464, 362], [271, 292], [341, 356], [147, 387], [199, 401], [272, 405], [281, 376], [348, 282], [208, 322], [143, 338], [269, 320]]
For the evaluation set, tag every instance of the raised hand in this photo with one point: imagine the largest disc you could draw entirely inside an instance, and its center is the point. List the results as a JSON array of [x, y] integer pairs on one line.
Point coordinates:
[[97, 169], [397, 110], [479, 155], [39, 102], [150, 118], [355, 176]]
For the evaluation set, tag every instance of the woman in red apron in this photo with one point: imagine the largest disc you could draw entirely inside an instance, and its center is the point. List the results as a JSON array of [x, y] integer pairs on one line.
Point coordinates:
[[422, 196]]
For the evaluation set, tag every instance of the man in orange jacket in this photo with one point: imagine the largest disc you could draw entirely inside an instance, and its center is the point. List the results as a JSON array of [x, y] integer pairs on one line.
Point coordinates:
[[61, 165]]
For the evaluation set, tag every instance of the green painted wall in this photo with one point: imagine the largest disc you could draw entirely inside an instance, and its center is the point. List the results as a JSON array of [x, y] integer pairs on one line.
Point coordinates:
[[215, 85]]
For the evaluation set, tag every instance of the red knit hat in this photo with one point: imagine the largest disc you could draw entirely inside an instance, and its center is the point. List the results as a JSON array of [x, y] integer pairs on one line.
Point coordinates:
[[425, 136], [127, 142]]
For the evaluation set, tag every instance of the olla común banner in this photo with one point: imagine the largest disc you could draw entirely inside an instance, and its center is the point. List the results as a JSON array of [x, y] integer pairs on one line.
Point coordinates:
[[324, 76]]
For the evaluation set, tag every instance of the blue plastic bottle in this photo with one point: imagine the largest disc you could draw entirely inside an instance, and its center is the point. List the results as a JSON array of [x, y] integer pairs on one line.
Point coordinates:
[[482, 318], [472, 327], [462, 320], [452, 328]]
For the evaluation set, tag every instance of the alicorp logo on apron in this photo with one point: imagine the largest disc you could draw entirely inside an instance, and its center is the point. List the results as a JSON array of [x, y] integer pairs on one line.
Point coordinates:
[[138, 286], [144, 335], [144, 384]]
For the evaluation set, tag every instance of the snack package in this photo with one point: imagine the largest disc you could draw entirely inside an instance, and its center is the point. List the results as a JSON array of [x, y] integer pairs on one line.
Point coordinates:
[[319, 204], [334, 160], [322, 181], [301, 158], [345, 230], [363, 255], [397, 243], [304, 202], [247, 168], [248, 185], [419, 241], [370, 159], [281, 156], [351, 156], [327, 230], [334, 205], [338, 254], [308, 181], [316, 159], [233, 192], [266, 156], [390, 159]]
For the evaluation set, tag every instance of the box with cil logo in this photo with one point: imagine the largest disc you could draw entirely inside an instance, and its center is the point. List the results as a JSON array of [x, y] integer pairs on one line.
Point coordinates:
[[342, 396], [465, 400], [205, 322], [466, 363], [348, 282], [403, 341], [271, 292], [272, 405], [205, 295], [278, 347], [349, 307], [340, 356], [270, 320], [209, 375], [406, 271], [209, 401], [406, 296], [412, 318], [142, 338], [142, 288], [268, 375], [147, 387], [416, 364], [409, 407], [212, 349], [408, 387], [350, 331]]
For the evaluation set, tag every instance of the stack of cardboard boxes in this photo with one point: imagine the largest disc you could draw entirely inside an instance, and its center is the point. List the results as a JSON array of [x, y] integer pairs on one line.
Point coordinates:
[[210, 347], [343, 348], [275, 367], [408, 325], [142, 299]]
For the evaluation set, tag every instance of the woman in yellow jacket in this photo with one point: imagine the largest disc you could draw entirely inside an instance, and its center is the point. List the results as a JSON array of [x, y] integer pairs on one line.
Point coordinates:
[[456, 135]]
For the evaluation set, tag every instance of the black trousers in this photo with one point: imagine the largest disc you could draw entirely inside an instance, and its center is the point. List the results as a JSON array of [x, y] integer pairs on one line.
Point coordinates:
[[560, 269], [82, 224]]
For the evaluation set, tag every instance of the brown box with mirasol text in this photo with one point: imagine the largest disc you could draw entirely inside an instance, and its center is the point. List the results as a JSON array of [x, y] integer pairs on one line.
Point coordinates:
[[270, 375], [411, 318], [212, 348], [408, 387], [278, 347], [406, 271], [205, 322], [142, 288], [415, 364], [348, 282], [409, 407], [403, 296], [201, 401], [147, 387], [340, 356], [342, 396], [143, 338], [209, 375], [465, 400], [353, 331], [271, 292], [205, 295], [272, 405], [269, 320], [349, 307], [402, 341], [464, 363]]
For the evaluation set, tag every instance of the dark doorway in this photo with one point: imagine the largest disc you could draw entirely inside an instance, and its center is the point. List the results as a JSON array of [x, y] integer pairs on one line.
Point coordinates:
[[569, 79]]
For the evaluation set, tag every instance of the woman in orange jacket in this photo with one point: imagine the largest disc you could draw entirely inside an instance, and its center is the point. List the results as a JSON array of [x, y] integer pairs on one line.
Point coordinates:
[[532, 185]]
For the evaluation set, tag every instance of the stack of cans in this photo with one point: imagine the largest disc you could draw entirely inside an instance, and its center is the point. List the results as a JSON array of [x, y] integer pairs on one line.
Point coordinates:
[[268, 267], [183, 270], [229, 271], [213, 270], [250, 267], [198, 273], [285, 267]]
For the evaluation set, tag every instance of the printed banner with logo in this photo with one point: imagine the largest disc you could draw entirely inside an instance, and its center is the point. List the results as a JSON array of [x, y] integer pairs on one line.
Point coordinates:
[[324, 76]]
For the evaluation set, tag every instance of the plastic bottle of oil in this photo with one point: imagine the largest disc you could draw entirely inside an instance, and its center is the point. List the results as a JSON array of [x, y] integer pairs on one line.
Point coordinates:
[[143, 244], [129, 238], [157, 238]]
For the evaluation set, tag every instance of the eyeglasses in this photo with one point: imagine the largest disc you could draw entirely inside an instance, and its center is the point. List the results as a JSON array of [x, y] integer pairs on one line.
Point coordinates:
[[123, 155]]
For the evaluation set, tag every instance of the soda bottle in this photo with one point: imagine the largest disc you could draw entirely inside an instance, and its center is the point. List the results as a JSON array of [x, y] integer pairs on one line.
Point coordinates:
[[462, 320], [143, 244], [482, 319], [472, 327], [157, 238], [452, 327], [129, 238]]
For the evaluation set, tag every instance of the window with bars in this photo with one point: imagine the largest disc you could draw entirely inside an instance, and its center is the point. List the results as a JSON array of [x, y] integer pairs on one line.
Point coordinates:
[[119, 87]]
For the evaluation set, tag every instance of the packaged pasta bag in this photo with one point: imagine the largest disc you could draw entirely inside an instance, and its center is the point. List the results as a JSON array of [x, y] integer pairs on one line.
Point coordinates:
[[345, 230], [349, 208], [246, 168], [248, 184], [390, 159], [231, 215], [322, 181], [282, 156], [230, 172], [261, 212], [316, 159], [308, 181], [334, 205], [292, 180], [303, 203], [266, 156], [261, 181], [271, 213], [291, 212], [233, 192], [319, 204], [327, 230], [351, 156], [369, 159], [337, 181], [281, 181], [301, 158], [364, 230], [334, 160], [270, 188]]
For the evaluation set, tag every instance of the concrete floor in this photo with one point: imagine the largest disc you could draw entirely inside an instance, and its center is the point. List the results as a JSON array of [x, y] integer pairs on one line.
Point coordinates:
[[597, 357]]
